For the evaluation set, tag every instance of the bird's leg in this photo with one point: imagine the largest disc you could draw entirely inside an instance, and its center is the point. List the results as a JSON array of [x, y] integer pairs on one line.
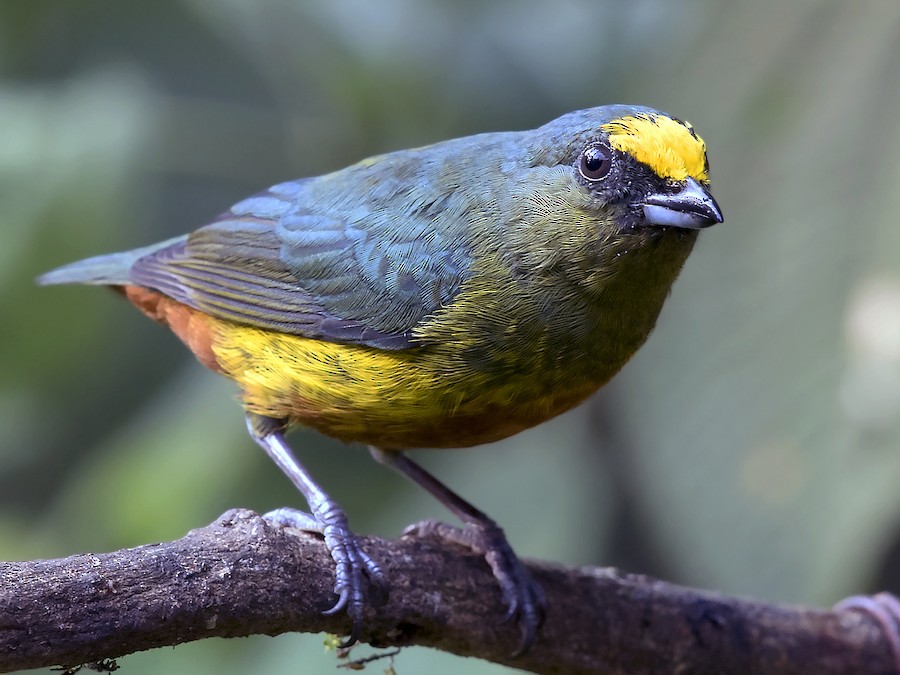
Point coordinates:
[[885, 609], [357, 576], [523, 597]]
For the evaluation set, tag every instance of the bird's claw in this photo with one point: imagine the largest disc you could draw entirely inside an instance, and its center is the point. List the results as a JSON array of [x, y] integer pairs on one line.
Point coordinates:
[[358, 579], [523, 597]]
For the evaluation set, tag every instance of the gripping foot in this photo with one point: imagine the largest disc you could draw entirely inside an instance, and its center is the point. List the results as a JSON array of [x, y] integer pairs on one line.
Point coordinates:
[[523, 597], [359, 580]]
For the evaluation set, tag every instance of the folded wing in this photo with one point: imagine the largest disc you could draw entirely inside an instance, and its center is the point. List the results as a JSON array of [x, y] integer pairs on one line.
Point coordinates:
[[363, 277]]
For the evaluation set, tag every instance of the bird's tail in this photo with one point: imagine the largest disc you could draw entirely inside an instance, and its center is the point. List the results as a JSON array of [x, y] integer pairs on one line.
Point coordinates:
[[102, 270]]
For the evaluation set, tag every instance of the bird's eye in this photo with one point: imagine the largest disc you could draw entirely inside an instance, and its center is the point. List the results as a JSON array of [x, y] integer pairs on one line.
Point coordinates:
[[595, 163]]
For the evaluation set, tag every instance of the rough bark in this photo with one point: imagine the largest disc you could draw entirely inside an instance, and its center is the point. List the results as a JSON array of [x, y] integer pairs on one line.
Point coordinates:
[[240, 576]]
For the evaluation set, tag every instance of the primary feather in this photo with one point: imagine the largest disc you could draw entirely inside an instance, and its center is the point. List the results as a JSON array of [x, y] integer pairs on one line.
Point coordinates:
[[299, 260], [112, 269]]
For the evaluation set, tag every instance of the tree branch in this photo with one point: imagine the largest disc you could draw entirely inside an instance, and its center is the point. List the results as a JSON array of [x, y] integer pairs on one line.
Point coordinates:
[[240, 576]]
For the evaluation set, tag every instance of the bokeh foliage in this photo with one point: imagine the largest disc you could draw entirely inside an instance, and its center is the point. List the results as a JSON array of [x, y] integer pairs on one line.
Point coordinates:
[[753, 445]]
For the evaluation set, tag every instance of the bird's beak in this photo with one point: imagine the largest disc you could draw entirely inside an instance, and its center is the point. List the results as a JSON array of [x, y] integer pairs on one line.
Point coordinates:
[[692, 208]]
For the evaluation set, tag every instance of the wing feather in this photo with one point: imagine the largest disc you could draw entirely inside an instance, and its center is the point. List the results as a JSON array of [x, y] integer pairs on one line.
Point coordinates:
[[368, 276]]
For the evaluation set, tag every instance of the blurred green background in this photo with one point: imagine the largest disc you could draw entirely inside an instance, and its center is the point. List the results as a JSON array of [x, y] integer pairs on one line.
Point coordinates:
[[753, 446]]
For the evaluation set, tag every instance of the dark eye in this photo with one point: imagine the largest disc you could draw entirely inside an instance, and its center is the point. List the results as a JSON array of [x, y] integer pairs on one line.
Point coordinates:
[[595, 163]]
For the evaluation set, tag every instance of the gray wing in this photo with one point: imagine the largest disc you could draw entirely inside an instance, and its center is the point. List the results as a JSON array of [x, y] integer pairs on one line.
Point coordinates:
[[364, 272]]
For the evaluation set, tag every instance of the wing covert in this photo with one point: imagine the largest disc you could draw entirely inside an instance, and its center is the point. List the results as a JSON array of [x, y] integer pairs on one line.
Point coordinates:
[[367, 277]]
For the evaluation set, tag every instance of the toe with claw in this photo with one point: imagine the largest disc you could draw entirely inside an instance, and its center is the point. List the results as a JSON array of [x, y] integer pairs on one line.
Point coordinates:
[[522, 596], [358, 579]]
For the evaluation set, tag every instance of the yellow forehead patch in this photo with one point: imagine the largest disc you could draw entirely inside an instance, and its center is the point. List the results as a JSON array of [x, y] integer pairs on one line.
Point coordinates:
[[670, 148]]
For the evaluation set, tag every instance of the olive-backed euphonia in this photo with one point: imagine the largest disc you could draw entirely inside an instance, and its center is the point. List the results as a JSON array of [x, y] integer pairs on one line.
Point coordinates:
[[444, 296]]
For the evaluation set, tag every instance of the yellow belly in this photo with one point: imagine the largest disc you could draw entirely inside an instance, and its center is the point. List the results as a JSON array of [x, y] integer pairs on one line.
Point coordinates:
[[393, 399]]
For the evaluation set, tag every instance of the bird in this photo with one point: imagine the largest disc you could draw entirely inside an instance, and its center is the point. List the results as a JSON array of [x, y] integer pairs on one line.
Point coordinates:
[[445, 296]]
